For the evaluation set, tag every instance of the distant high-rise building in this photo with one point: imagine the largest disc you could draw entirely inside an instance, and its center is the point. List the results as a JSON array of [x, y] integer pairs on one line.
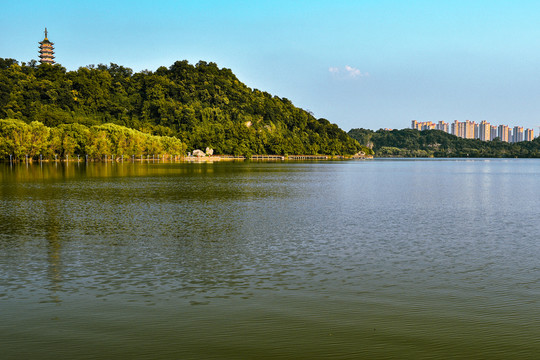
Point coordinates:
[[424, 125], [468, 129], [461, 129], [493, 132], [484, 131], [455, 128], [503, 133], [428, 125], [46, 50], [517, 134], [529, 135], [441, 125]]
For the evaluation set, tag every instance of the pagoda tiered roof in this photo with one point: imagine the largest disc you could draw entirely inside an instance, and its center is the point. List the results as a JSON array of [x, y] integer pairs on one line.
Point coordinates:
[[46, 50]]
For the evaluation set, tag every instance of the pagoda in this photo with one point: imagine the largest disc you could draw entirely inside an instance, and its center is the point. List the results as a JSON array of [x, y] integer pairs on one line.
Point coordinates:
[[46, 50]]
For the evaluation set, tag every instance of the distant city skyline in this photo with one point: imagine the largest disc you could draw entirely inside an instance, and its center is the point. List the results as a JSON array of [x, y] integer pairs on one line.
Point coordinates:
[[484, 130], [359, 64]]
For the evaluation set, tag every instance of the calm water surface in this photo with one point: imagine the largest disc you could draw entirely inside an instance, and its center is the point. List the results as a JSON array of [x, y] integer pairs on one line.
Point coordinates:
[[376, 259]]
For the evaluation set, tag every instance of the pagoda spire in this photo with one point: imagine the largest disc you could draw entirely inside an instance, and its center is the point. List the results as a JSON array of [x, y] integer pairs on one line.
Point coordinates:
[[46, 50]]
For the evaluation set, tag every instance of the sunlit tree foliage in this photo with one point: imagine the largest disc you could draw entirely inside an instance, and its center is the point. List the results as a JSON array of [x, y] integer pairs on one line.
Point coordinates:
[[202, 105]]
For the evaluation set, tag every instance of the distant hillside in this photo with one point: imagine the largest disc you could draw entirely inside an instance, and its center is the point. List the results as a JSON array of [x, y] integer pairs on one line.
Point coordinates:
[[436, 143], [202, 105]]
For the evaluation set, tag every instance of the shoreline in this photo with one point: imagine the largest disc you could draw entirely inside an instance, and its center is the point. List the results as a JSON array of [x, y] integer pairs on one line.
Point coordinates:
[[191, 159]]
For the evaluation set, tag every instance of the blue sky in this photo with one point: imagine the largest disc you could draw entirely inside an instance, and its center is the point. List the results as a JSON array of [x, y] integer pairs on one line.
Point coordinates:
[[371, 64]]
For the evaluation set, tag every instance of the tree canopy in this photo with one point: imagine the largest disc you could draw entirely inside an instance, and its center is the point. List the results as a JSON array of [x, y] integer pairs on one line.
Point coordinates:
[[202, 105], [20, 139]]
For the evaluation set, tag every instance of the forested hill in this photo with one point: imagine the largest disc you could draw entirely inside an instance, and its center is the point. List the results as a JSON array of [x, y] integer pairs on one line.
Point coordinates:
[[202, 105], [436, 143]]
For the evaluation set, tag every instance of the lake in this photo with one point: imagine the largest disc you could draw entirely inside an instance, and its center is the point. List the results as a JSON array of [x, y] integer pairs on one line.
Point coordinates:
[[373, 259]]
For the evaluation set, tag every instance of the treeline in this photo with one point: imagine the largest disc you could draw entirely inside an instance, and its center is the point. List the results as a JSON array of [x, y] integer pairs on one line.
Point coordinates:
[[436, 143], [37, 141], [202, 105]]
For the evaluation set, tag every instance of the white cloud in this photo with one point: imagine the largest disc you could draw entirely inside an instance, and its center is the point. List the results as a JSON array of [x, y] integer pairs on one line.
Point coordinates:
[[348, 72], [353, 72]]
